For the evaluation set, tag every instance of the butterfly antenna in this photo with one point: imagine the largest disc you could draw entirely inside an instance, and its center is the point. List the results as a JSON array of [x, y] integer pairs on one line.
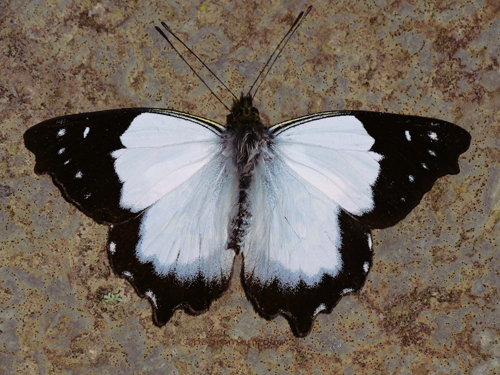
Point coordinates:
[[277, 51], [190, 67]]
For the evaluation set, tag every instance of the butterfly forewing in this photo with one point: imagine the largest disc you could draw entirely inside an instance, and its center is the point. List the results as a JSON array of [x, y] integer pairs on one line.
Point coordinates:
[[80, 152], [415, 151], [75, 150], [385, 162]]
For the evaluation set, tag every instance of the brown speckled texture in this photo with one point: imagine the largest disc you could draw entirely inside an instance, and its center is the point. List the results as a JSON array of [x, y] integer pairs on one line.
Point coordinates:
[[431, 301]]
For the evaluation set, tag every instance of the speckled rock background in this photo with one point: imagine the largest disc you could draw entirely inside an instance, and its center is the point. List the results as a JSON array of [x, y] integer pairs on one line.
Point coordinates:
[[430, 304]]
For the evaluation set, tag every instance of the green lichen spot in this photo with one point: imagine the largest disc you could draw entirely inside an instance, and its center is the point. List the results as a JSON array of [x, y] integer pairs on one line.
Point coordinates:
[[112, 298], [203, 6]]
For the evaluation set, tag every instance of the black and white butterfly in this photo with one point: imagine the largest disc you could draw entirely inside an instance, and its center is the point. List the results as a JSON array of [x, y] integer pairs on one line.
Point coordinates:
[[182, 195]]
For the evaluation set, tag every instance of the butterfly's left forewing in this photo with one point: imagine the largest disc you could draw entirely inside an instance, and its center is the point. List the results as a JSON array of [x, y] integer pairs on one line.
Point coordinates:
[[160, 180], [327, 180], [100, 159], [377, 166]]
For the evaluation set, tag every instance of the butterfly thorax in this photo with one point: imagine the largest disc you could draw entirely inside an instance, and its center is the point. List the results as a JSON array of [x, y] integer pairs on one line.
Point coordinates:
[[247, 137]]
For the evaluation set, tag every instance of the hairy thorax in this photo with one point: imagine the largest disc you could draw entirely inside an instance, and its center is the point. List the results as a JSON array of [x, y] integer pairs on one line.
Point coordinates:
[[246, 137]]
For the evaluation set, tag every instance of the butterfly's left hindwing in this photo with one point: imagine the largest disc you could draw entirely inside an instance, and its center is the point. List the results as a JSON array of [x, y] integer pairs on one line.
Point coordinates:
[[303, 252], [160, 180]]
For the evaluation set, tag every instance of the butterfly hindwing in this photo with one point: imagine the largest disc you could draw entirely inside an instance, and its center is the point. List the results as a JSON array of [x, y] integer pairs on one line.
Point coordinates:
[[303, 252], [175, 252]]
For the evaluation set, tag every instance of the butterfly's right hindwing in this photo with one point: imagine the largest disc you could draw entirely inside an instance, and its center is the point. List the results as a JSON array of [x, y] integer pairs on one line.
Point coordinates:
[[326, 181]]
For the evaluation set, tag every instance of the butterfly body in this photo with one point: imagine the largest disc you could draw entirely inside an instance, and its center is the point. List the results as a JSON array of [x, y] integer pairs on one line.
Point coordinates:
[[247, 140]]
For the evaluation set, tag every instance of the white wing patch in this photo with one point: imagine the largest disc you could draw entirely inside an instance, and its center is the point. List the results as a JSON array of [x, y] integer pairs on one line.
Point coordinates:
[[186, 232], [332, 153], [161, 152], [294, 235], [152, 297]]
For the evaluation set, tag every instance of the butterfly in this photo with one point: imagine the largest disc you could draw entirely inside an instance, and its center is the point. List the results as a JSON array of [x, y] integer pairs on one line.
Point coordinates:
[[182, 195]]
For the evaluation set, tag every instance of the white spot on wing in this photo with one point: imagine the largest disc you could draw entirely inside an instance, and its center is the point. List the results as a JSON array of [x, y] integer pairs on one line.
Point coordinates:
[[370, 243], [86, 132], [366, 267], [127, 274], [432, 153], [346, 291], [78, 174], [424, 166], [320, 308], [67, 161], [61, 132], [407, 134], [112, 247], [61, 150], [151, 296], [87, 196], [433, 136], [411, 178]]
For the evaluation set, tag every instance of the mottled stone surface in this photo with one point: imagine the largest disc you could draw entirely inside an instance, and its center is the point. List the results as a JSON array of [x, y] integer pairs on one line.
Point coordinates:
[[430, 304]]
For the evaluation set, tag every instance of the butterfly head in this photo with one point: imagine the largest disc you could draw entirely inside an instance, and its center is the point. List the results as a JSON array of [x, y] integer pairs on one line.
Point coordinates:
[[243, 113]]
